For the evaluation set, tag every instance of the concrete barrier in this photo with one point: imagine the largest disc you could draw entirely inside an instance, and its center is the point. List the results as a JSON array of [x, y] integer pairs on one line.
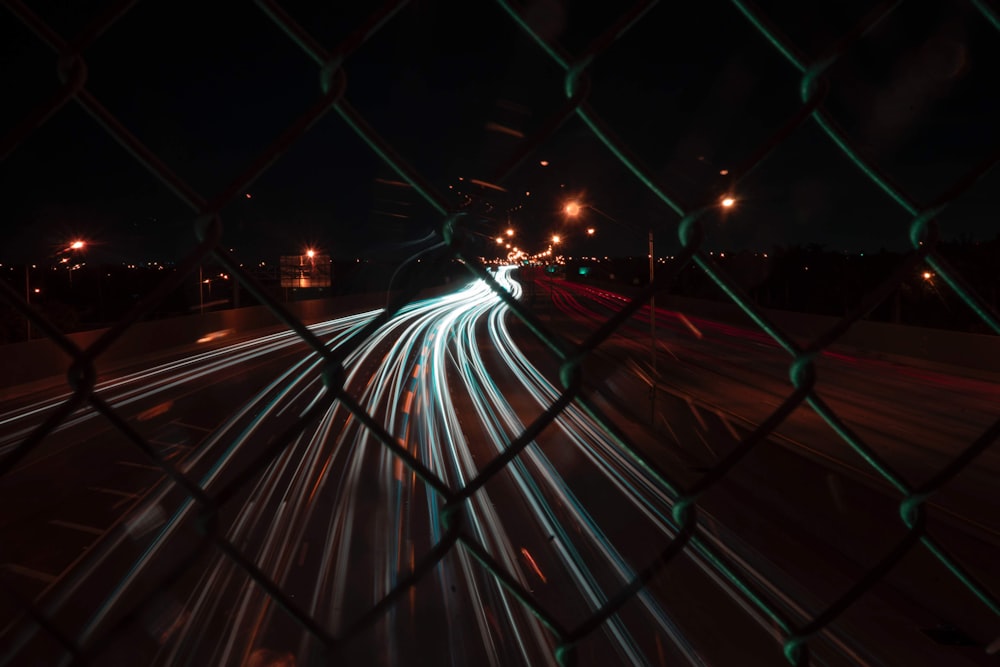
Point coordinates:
[[874, 339], [879, 340], [41, 359]]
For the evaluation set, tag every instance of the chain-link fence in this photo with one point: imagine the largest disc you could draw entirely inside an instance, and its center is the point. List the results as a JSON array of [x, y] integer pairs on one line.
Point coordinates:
[[456, 228]]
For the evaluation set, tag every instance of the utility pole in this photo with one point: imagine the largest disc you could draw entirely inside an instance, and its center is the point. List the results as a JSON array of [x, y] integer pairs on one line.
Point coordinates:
[[27, 297], [652, 306], [652, 336]]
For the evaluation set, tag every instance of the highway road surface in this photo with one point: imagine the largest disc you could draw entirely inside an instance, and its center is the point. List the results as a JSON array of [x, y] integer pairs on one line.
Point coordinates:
[[292, 486]]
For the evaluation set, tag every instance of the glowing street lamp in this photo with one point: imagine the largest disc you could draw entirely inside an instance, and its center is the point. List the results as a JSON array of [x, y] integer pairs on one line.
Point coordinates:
[[572, 209], [556, 238], [310, 253], [510, 231], [590, 231], [74, 245], [728, 202]]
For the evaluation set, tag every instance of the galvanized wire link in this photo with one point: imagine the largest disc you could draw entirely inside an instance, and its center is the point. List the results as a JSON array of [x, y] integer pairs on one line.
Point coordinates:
[[686, 534]]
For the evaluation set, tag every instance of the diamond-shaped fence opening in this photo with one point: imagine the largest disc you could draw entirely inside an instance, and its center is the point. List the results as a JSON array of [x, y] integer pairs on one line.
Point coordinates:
[[412, 486]]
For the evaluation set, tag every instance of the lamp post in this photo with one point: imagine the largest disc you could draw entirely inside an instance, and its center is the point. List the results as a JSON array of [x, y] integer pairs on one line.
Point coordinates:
[[74, 245], [27, 298]]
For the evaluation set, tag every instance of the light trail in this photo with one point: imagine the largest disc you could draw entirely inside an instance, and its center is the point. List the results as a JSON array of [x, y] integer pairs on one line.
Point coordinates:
[[424, 376]]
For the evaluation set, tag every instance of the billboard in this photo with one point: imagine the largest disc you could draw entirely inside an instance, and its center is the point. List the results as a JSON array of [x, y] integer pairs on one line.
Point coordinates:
[[309, 270]]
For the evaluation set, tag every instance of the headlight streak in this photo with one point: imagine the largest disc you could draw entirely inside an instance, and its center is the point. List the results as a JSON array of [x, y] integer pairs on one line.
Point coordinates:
[[635, 479], [272, 342], [530, 379], [485, 525], [142, 385], [403, 372], [374, 392], [442, 441]]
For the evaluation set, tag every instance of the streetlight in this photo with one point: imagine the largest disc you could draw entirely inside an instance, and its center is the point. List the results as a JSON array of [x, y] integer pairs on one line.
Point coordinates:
[[27, 297], [74, 245], [727, 202]]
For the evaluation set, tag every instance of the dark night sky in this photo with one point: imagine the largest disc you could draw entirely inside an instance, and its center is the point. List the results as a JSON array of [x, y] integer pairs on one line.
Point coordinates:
[[207, 86]]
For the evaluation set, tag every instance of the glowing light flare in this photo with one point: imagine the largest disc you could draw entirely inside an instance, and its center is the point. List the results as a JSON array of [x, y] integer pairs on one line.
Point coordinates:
[[215, 335], [572, 209], [691, 327], [728, 202], [155, 411], [78, 245], [928, 275], [533, 564]]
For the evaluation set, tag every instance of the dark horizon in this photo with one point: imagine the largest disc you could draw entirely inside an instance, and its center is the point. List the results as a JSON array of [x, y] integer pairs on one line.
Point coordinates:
[[912, 95]]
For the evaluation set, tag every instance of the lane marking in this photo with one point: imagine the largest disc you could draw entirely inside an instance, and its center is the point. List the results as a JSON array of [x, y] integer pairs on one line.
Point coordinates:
[[31, 573], [76, 526]]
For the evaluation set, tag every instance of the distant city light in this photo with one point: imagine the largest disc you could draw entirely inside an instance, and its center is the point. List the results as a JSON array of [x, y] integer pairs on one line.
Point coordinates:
[[724, 172], [510, 232], [248, 195], [77, 245], [928, 275], [590, 231], [728, 202], [544, 163], [572, 209]]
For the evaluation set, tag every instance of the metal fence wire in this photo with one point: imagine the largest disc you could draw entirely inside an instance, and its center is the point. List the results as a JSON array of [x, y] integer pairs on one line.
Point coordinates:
[[797, 631]]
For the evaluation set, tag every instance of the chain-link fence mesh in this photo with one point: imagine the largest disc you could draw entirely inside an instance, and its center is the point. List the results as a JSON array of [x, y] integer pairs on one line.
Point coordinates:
[[796, 629]]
